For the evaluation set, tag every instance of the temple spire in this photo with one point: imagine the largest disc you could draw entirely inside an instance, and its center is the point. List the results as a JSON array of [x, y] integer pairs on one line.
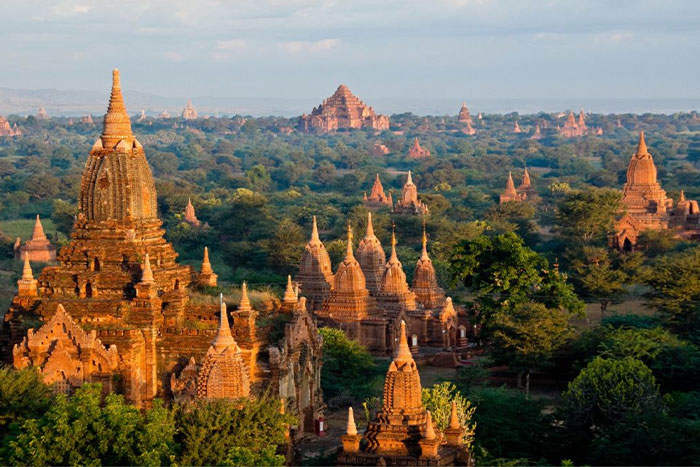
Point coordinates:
[[682, 198], [424, 253], [117, 125], [509, 184], [244, 304], [409, 180], [27, 269], [314, 232], [393, 257], [223, 337], [348, 253], [38, 232], [403, 354], [206, 265], [454, 419], [289, 295], [147, 274], [370, 227], [642, 145], [351, 428], [429, 430]]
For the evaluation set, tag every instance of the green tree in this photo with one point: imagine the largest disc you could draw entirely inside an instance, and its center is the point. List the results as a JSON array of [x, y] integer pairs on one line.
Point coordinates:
[[587, 216], [232, 432], [23, 395], [598, 277], [346, 360], [63, 216], [438, 399], [528, 336], [287, 245], [258, 177]]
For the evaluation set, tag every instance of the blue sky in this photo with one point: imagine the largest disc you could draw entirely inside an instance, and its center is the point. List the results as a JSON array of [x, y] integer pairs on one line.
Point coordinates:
[[380, 48]]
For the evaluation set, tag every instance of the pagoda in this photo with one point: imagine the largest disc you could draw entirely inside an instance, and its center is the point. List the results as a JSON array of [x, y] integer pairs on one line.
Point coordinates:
[[537, 134], [8, 130], [403, 433], [394, 295], [42, 114], [87, 120], [371, 257], [516, 128], [315, 273], [526, 190], [190, 216], [117, 308], [464, 116], [379, 150], [342, 110], [377, 198], [646, 204], [409, 202], [571, 129], [189, 112], [38, 248], [425, 285], [510, 193], [417, 151], [469, 130]]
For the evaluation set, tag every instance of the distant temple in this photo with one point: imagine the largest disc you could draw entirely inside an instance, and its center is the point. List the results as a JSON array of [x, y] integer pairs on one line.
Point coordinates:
[[377, 198], [38, 248], [87, 119], [416, 151], [7, 130], [469, 130], [118, 307], [142, 116], [42, 114], [190, 216], [647, 206], [526, 190], [409, 202], [537, 134], [164, 114], [403, 431], [379, 150], [573, 128], [189, 112], [464, 116], [511, 194], [369, 296], [516, 128], [342, 110]]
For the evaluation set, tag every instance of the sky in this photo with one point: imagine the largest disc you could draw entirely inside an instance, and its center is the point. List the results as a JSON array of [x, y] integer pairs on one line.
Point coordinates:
[[442, 49]]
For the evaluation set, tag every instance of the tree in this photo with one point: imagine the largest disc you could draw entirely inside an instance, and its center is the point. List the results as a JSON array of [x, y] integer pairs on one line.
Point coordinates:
[[63, 216], [232, 432], [501, 273], [346, 360], [598, 277], [588, 216], [82, 430], [438, 400], [258, 177], [609, 391], [287, 245], [528, 336], [23, 395]]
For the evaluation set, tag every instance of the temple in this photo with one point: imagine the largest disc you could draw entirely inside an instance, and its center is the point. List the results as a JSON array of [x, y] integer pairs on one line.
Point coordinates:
[[38, 248], [647, 206], [369, 296], [511, 194], [42, 114], [342, 110], [571, 129], [526, 190], [403, 432], [416, 151], [379, 150], [189, 112], [377, 198], [190, 216], [516, 128], [8, 130], [464, 116], [117, 308], [409, 202], [87, 120], [469, 129], [537, 133]]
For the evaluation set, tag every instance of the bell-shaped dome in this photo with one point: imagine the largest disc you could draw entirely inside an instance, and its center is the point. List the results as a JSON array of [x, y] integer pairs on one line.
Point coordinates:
[[371, 257], [641, 170], [315, 260], [349, 276], [394, 279], [425, 284]]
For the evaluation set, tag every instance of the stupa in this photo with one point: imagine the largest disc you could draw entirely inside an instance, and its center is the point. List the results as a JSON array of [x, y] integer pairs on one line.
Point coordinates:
[[425, 285], [417, 151], [537, 134], [510, 194], [38, 248], [516, 128], [189, 112], [409, 202], [8, 130], [526, 190], [403, 432], [342, 110], [118, 286], [371, 257], [87, 120], [315, 273], [394, 295], [190, 216], [377, 198], [464, 116], [42, 114], [571, 128]]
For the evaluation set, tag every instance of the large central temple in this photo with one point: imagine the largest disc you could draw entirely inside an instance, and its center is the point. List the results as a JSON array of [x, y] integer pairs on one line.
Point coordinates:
[[117, 308], [343, 110]]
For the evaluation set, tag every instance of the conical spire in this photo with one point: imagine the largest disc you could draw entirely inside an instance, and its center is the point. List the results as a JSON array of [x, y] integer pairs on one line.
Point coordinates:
[[352, 428], [409, 180], [27, 269], [348, 253], [454, 419], [370, 227], [682, 198], [429, 430], [526, 178], [289, 295], [206, 265], [509, 184], [424, 253], [403, 353], [223, 337], [244, 304], [393, 258], [38, 232], [314, 232], [641, 146], [147, 273], [117, 125]]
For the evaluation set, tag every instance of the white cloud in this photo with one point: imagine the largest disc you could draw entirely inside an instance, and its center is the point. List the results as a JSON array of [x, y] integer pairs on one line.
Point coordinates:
[[298, 47]]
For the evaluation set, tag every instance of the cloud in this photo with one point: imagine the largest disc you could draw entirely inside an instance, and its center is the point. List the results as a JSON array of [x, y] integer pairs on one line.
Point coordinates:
[[232, 45], [614, 37], [71, 8], [299, 47]]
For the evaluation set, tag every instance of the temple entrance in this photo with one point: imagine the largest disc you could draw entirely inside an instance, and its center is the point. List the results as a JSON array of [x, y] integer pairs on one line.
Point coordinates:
[[88, 290], [627, 245]]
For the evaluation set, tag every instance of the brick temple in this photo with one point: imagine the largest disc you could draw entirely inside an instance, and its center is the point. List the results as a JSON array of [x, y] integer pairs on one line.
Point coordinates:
[[523, 192], [38, 248], [342, 110], [368, 296], [409, 202], [118, 310], [189, 112], [377, 199], [8, 130]]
